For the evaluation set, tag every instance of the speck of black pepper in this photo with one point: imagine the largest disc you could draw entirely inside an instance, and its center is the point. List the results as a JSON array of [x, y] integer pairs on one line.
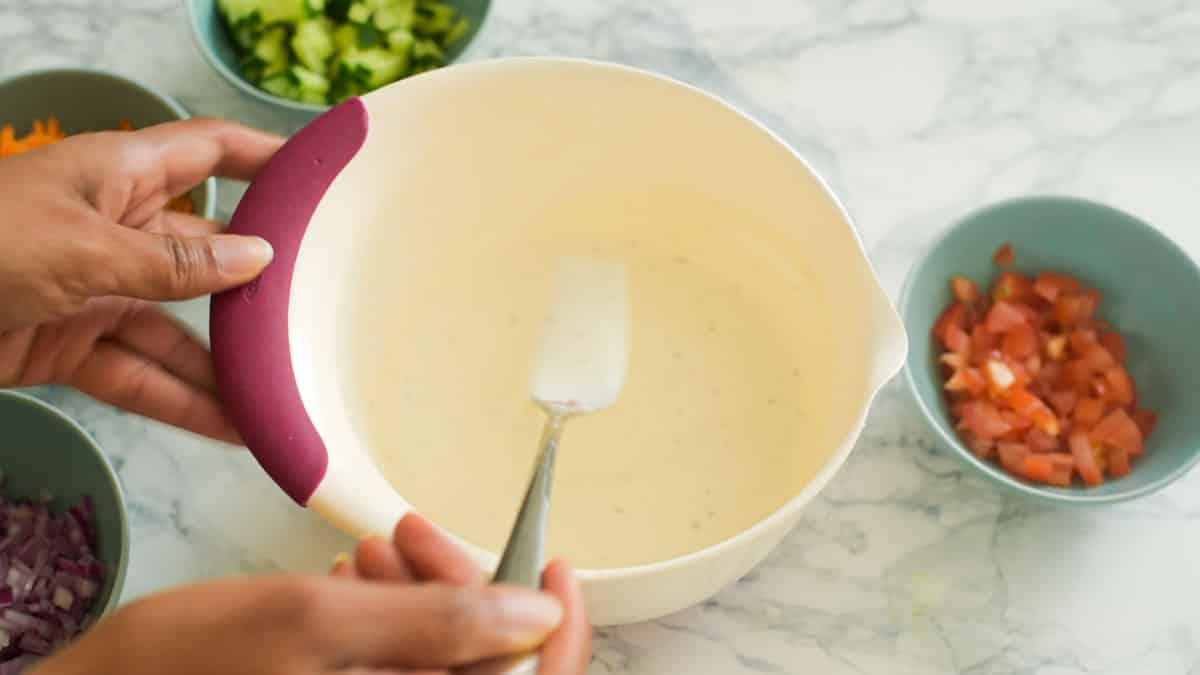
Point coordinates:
[[677, 354], [619, 510], [695, 526], [771, 401]]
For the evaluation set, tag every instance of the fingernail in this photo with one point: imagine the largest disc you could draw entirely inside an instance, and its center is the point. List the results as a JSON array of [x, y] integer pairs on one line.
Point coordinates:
[[241, 256], [341, 559], [527, 616]]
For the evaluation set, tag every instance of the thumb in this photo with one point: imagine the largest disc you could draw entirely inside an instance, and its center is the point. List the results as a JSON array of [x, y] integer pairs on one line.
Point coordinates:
[[170, 267]]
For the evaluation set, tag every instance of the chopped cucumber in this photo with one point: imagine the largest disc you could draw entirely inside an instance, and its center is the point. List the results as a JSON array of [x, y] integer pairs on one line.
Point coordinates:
[[457, 32], [272, 51], [394, 16], [324, 51], [434, 18], [345, 37], [281, 85], [374, 67], [400, 41], [359, 13], [427, 51], [240, 12], [313, 43], [310, 82]]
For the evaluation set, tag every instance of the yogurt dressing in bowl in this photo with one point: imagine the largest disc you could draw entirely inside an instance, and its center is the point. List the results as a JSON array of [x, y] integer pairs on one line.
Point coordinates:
[[729, 409]]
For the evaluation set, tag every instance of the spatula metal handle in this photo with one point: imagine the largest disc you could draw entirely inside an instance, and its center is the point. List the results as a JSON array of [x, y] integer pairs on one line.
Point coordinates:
[[523, 557], [524, 554]]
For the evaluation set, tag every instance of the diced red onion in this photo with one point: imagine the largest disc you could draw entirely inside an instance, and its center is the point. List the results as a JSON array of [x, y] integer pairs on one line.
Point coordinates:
[[49, 578]]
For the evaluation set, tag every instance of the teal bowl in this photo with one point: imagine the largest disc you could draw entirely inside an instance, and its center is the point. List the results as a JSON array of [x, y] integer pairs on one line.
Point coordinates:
[[44, 450], [1151, 294], [213, 40], [85, 99]]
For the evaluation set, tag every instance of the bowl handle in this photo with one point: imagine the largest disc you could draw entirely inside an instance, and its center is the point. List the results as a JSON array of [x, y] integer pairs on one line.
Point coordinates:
[[248, 326]]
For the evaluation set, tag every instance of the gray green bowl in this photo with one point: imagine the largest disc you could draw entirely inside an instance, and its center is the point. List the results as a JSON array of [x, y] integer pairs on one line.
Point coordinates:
[[43, 449], [1151, 294], [84, 99], [212, 38]]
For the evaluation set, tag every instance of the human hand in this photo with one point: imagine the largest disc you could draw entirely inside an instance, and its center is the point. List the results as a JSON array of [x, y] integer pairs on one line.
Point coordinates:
[[419, 606], [86, 247], [419, 553]]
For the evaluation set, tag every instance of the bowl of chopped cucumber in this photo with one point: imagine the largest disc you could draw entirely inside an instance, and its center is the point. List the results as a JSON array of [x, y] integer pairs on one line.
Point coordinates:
[[307, 55]]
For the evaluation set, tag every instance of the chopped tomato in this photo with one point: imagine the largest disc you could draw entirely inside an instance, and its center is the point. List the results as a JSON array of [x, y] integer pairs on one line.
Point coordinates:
[[1063, 401], [1050, 285], [968, 380], [955, 315], [1145, 420], [983, 341], [1097, 358], [1056, 347], [1081, 340], [964, 289], [1004, 316], [1020, 341], [1033, 365], [1020, 425], [1037, 468], [1012, 456], [1068, 310], [983, 448], [1085, 458], [1004, 255], [1118, 430], [1040, 441], [1088, 412], [1034, 409], [984, 420], [957, 340], [1064, 468], [1050, 374], [1035, 381], [1118, 462], [1115, 344], [1000, 376], [1120, 385], [1077, 375], [1012, 286]]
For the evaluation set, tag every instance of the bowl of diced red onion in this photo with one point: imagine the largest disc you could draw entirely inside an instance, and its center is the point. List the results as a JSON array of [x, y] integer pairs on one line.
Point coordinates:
[[64, 542]]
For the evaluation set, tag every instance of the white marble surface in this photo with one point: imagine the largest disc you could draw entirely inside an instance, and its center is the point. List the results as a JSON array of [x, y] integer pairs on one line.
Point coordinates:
[[916, 112]]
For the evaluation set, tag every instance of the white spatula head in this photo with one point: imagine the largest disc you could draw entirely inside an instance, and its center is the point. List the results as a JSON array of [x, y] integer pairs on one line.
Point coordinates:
[[581, 364]]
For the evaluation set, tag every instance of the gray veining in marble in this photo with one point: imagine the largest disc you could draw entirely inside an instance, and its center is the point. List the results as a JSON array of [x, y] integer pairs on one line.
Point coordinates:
[[915, 112]]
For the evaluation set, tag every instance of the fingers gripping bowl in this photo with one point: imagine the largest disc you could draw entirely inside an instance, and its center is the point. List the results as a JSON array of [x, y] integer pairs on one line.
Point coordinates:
[[381, 362]]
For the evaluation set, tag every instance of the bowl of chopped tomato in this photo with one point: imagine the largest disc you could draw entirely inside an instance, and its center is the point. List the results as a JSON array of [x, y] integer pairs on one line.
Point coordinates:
[[1053, 349], [41, 107]]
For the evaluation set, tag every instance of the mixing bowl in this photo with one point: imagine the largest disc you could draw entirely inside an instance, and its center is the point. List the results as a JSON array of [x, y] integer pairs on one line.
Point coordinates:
[[383, 210], [1150, 289]]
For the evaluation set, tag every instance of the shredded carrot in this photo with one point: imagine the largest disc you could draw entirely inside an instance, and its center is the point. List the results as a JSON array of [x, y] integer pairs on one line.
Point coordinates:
[[49, 131]]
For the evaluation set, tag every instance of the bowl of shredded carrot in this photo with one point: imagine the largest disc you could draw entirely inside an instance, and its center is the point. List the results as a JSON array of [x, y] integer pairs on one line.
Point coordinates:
[[42, 107]]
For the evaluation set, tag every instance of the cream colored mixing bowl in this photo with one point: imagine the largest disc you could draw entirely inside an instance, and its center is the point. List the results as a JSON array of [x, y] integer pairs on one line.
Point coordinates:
[[381, 363]]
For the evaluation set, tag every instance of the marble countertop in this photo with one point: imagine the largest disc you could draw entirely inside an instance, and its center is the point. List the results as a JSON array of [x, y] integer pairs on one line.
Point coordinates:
[[916, 112]]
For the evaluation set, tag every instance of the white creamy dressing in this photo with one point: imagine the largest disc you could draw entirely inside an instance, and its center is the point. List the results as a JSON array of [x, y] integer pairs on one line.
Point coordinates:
[[738, 389]]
